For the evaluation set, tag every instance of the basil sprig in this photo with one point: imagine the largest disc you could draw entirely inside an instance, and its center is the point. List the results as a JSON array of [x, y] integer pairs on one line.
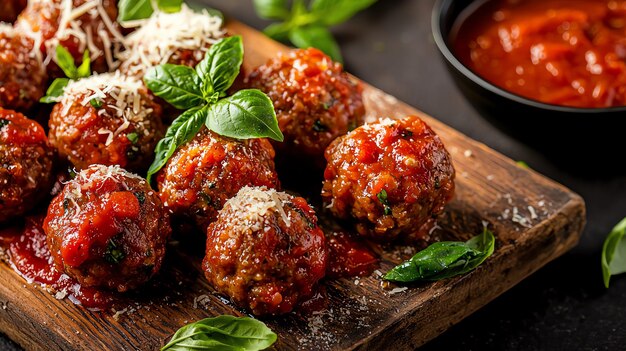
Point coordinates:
[[614, 252], [65, 61], [444, 259], [223, 333], [308, 26], [202, 93], [130, 10]]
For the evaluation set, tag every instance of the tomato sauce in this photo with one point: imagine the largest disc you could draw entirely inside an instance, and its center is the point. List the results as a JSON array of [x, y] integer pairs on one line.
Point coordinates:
[[30, 257], [560, 52], [348, 257]]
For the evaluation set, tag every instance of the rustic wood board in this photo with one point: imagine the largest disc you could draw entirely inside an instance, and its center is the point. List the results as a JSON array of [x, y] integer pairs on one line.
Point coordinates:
[[535, 220]]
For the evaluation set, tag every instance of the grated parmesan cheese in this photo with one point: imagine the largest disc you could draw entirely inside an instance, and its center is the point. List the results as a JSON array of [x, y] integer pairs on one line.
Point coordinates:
[[252, 204], [118, 93], [163, 35]]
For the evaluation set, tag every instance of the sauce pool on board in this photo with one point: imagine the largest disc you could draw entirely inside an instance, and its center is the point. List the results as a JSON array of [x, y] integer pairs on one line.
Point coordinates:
[[560, 52], [30, 258]]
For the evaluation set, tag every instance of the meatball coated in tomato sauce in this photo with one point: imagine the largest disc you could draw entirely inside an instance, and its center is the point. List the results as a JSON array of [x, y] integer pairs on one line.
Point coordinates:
[[107, 228], [106, 119], [26, 162], [392, 177], [210, 169], [22, 74], [181, 38], [265, 251], [9, 9], [315, 101], [54, 22]]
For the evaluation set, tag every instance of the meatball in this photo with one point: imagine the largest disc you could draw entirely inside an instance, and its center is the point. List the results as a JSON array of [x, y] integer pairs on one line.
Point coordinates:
[[392, 177], [9, 9], [22, 75], [107, 228], [315, 101], [210, 169], [26, 164], [181, 38], [95, 29], [106, 119], [265, 251]]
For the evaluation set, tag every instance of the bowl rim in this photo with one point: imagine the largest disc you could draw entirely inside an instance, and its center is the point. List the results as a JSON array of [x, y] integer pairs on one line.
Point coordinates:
[[440, 9]]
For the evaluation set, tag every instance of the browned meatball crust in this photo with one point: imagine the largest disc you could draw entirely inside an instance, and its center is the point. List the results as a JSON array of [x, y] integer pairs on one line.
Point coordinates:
[[25, 164], [107, 228], [210, 169], [392, 177]]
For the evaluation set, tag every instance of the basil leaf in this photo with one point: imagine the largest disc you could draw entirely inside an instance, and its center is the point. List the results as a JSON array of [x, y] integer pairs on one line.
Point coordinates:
[[130, 10], [278, 31], [272, 9], [65, 61], [316, 36], [183, 129], [444, 259], [223, 333], [614, 253], [221, 65], [245, 115], [332, 12], [169, 6], [54, 90], [84, 70], [179, 85]]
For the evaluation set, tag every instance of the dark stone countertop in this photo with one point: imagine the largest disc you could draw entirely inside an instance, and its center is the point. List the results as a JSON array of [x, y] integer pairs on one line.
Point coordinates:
[[564, 306]]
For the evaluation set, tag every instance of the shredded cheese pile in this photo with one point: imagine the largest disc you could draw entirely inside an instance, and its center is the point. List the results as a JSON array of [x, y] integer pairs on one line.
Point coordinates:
[[122, 90], [161, 36], [251, 205]]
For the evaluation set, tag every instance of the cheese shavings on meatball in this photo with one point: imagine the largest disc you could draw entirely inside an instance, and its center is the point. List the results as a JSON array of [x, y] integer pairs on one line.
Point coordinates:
[[179, 38]]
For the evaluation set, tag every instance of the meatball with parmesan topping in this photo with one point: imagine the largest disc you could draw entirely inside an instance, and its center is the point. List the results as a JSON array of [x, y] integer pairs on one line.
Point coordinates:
[[265, 251], [392, 177], [106, 119], [107, 228], [25, 164], [180, 38], [22, 74], [78, 25], [205, 172], [315, 101]]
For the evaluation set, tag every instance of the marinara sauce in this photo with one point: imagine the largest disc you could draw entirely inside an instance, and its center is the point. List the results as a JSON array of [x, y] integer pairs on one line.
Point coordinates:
[[561, 52]]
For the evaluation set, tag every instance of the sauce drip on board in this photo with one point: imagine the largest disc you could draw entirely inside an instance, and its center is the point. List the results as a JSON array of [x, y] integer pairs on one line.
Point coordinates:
[[560, 52], [30, 257], [348, 257]]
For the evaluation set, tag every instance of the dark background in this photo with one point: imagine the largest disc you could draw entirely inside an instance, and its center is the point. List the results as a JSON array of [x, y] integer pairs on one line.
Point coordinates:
[[564, 306]]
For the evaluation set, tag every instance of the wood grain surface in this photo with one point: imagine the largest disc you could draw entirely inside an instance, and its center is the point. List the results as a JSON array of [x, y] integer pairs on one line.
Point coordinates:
[[534, 219]]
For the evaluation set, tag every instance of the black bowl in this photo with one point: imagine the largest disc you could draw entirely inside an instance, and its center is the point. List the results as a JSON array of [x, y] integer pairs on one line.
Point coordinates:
[[587, 136]]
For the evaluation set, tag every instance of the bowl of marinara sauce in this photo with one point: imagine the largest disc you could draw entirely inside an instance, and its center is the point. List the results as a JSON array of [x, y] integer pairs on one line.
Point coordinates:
[[549, 72]]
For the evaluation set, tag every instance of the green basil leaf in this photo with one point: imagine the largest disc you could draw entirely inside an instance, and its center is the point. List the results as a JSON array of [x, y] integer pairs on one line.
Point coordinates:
[[245, 115], [84, 70], [332, 12], [54, 90], [318, 37], [169, 6], [272, 9], [176, 84], [183, 129], [65, 61], [223, 333], [130, 10], [444, 259], [221, 65], [278, 31], [614, 252]]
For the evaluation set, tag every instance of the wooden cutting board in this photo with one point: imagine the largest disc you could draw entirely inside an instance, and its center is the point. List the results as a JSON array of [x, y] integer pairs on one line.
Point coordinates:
[[535, 221]]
